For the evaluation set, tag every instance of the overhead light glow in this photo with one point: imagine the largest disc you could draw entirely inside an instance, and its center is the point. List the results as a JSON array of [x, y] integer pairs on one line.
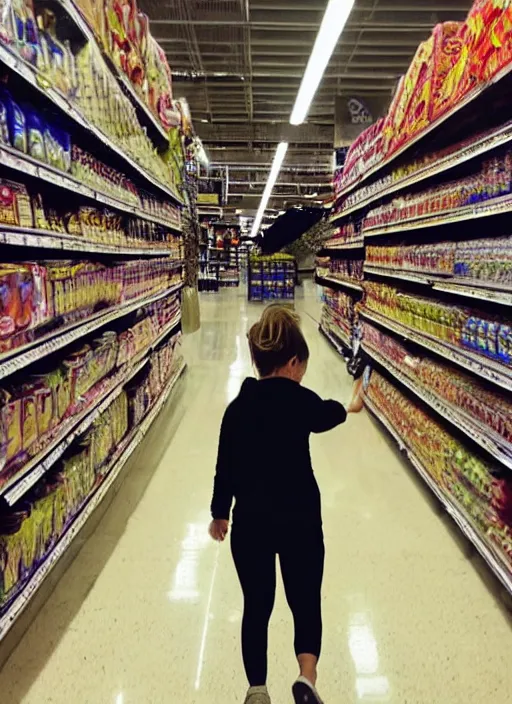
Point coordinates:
[[336, 15], [280, 154]]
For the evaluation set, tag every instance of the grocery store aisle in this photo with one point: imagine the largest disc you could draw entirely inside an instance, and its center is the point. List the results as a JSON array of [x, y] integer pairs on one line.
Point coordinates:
[[149, 612]]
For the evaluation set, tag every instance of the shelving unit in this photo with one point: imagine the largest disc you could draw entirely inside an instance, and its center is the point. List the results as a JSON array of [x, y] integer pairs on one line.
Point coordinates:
[[470, 149], [468, 288], [149, 120], [344, 283], [485, 368], [220, 265], [38, 82], [485, 436], [472, 533], [485, 209], [432, 221], [24, 164], [117, 462], [91, 325], [477, 94], [271, 278], [339, 271]]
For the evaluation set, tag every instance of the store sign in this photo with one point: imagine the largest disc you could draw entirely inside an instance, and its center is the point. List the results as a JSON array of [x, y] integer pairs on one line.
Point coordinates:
[[208, 198], [354, 114], [358, 112]]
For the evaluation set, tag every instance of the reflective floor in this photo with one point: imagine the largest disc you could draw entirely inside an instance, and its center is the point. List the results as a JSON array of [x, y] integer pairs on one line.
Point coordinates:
[[150, 610]]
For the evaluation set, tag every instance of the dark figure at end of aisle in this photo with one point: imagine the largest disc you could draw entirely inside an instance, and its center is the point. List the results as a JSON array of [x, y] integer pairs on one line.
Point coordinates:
[[264, 463]]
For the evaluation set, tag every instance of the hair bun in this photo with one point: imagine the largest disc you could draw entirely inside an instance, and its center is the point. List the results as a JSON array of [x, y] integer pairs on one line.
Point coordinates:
[[277, 336]]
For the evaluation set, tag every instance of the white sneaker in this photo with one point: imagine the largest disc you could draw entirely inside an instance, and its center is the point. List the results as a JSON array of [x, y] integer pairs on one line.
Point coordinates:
[[304, 692], [257, 695]]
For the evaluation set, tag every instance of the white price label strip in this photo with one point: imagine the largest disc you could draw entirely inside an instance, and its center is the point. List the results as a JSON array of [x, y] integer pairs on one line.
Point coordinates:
[[51, 240]]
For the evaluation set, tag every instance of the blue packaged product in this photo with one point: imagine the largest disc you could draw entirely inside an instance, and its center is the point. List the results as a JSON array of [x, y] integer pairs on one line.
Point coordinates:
[[505, 343], [469, 333], [4, 123], [58, 147], [15, 122], [482, 328], [492, 339], [35, 133]]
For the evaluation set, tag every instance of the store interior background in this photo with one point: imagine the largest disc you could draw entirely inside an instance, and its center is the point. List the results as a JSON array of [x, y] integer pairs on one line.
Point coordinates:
[[425, 614]]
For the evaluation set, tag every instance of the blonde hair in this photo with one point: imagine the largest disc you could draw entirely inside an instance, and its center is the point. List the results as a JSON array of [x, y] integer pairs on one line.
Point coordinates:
[[276, 338]]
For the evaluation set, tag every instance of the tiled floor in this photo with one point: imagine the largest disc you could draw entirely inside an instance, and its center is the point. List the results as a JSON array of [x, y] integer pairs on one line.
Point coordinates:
[[149, 612]]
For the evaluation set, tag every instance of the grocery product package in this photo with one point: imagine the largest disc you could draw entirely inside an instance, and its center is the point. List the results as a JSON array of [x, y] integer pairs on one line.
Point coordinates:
[[190, 312], [448, 68], [412, 113]]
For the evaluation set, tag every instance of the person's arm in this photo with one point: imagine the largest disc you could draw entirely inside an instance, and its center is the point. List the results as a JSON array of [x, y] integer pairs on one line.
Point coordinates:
[[222, 488], [323, 415]]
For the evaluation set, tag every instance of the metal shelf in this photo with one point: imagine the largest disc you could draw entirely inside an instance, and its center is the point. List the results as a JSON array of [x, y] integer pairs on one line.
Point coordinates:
[[487, 438], [126, 448], [469, 288], [481, 366], [341, 282], [402, 274], [491, 557], [14, 360], [25, 164], [469, 98], [358, 244], [479, 146], [487, 208], [45, 239]]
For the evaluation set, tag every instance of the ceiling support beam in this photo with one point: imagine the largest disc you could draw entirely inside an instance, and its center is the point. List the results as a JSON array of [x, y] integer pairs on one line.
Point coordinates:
[[248, 58], [266, 133]]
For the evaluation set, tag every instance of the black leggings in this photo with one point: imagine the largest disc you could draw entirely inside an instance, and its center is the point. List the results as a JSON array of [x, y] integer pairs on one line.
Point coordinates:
[[301, 554]]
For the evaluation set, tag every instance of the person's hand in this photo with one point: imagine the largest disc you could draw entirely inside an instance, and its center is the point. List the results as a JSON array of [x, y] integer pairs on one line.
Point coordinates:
[[357, 402], [218, 529], [356, 406]]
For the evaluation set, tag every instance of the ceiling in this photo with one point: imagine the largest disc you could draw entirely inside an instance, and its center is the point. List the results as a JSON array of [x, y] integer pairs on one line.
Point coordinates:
[[239, 63]]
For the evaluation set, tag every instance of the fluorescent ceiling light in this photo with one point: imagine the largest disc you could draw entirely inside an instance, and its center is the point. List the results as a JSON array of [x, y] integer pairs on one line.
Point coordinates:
[[272, 178], [336, 15]]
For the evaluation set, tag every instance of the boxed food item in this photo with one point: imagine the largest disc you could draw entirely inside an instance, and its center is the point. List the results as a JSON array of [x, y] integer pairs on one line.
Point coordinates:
[[15, 205]]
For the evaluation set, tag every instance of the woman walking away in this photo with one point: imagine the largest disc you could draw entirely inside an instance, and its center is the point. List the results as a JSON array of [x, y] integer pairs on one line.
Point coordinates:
[[264, 464]]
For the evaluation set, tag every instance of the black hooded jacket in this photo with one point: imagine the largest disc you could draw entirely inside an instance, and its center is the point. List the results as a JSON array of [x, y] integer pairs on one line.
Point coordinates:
[[264, 460]]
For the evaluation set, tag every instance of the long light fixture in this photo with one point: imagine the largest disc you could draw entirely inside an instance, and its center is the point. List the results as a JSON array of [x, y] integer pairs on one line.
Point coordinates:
[[280, 154], [336, 15], [335, 18]]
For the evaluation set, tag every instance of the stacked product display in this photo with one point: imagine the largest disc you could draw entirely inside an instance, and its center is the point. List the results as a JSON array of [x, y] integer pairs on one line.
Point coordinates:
[[220, 257], [271, 277], [338, 316], [345, 271], [91, 270], [32, 529], [459, 475], [340, 271], [435, 319]]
